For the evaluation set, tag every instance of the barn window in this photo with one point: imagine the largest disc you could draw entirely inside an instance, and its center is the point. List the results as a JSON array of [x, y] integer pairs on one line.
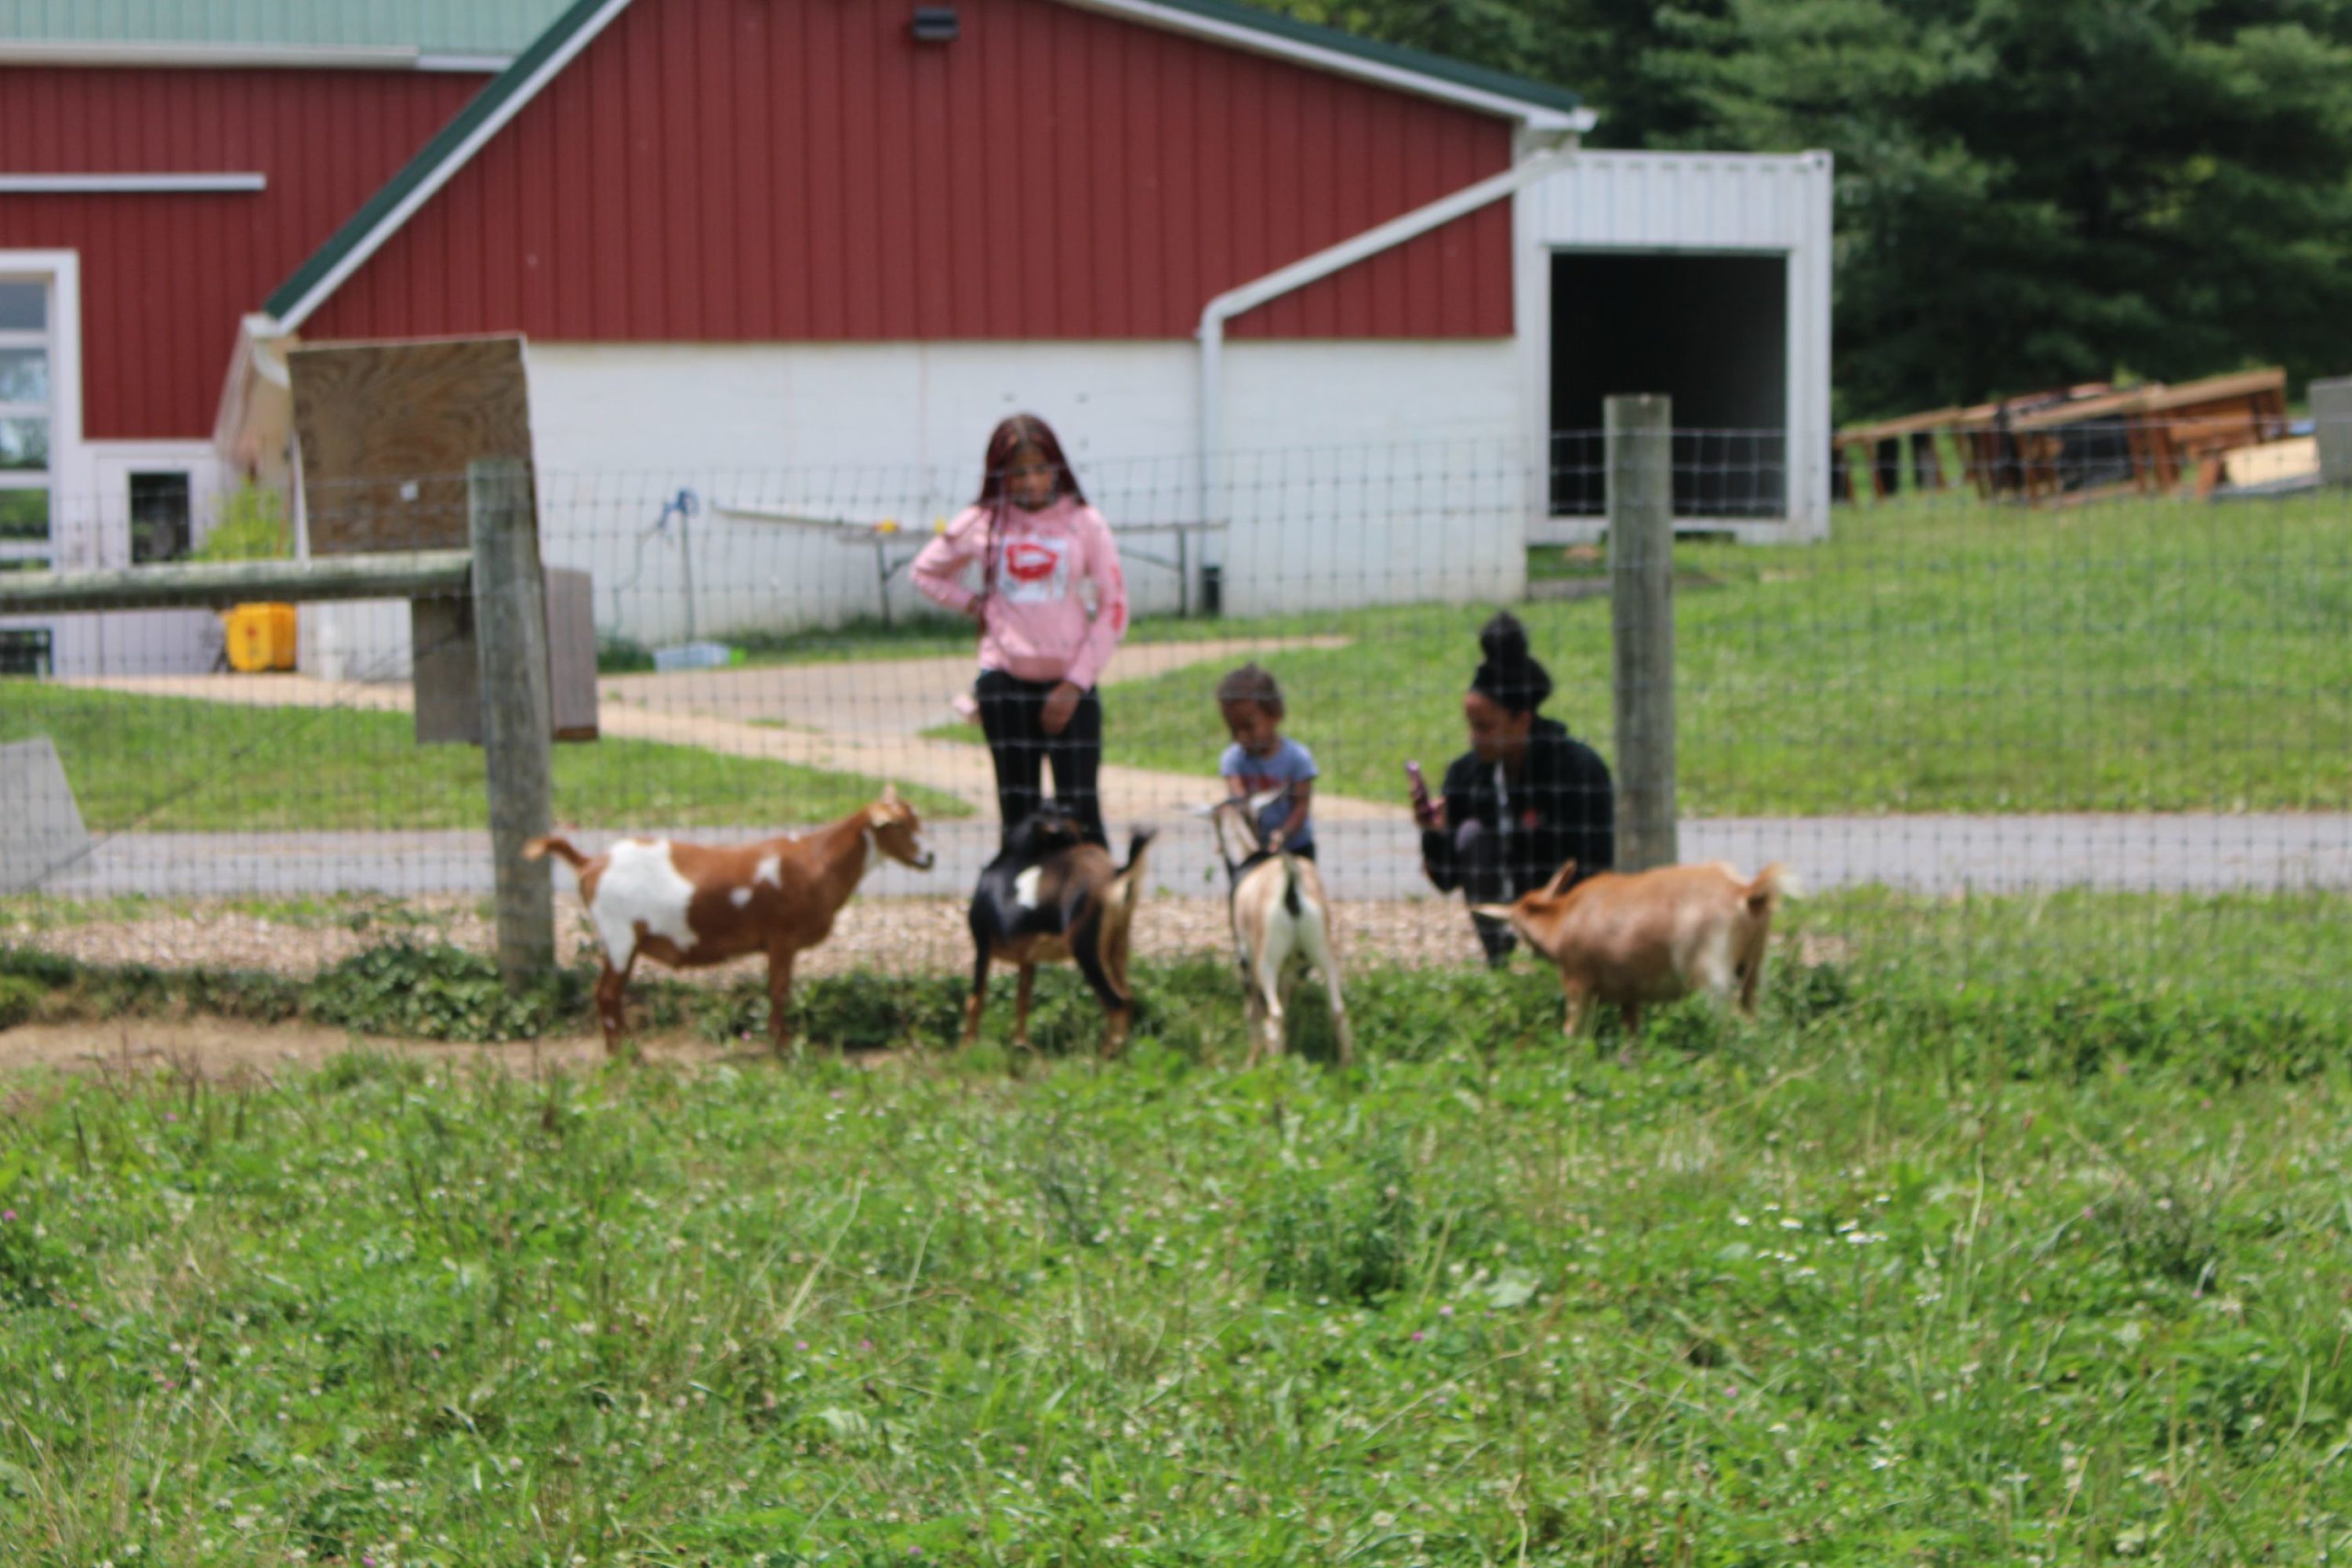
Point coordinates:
[[162, 517], [26, 416]]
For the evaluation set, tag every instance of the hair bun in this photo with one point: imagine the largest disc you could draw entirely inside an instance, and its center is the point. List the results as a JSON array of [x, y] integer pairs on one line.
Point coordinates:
[[1510, 676], [1504, 641]]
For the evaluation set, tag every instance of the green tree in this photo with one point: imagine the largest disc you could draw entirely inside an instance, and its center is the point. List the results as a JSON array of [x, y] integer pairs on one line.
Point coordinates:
[[2029, 192], [2034, 191]]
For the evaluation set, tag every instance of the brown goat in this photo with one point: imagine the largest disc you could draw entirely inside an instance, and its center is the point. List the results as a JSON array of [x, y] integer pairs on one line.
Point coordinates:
[[692, 905], [1629, 940]]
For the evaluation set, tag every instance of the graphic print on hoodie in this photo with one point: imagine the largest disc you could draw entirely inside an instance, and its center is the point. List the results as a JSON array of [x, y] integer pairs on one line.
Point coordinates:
[[1037, 627]]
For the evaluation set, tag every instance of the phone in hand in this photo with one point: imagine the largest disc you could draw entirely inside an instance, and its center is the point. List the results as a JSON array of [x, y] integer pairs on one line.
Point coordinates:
[[1422, 812]]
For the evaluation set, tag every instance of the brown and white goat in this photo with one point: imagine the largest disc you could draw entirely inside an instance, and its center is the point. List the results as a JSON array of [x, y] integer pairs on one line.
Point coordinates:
[[1050, 897], [693, 905], [1633, 940], [1282, 927]]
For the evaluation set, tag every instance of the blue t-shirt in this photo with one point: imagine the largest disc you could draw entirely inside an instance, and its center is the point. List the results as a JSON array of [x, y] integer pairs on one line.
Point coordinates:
[[1290, 764]]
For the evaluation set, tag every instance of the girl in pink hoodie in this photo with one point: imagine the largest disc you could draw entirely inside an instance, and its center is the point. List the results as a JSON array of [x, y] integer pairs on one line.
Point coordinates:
[[1035, 540]]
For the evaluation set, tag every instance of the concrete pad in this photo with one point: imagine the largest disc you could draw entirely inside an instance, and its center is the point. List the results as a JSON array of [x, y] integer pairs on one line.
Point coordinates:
[[41, 831]]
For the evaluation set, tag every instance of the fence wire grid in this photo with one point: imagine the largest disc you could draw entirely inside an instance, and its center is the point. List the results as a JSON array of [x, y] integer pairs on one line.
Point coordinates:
[[2091, 722]]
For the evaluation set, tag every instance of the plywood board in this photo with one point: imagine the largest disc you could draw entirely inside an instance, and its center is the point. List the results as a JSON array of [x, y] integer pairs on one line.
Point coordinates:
[[447, 669], [41, 833], [571, 653], [387, 429]]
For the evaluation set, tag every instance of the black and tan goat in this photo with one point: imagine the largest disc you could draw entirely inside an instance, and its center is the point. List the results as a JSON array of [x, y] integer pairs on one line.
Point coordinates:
[[1050, 897]]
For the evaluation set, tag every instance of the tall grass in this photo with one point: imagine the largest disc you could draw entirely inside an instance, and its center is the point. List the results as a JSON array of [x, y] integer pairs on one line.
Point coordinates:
[[1916, 1269]]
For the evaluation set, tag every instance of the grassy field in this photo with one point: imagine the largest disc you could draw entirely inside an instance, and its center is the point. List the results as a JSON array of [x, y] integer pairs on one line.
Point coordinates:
[[1932, 656], [1918, 1268], [166, 764]]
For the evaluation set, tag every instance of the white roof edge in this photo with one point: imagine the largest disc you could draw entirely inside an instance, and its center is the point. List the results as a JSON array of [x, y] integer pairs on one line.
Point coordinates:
[[487, 65], [1256, 40], [1810, 158], [442, 172], [129, 183], [231, 56]]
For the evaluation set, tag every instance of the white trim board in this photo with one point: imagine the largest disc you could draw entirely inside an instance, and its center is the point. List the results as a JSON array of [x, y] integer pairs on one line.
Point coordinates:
[[127, 184]]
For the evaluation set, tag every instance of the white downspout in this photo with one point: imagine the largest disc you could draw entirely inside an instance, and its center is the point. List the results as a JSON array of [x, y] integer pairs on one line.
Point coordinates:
[[1322, 264]]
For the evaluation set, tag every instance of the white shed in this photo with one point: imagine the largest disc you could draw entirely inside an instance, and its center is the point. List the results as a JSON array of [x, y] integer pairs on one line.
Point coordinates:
[[1704, 275]]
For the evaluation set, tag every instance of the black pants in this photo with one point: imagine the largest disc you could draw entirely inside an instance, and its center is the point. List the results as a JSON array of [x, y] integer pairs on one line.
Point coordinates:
[[1472, 858], [1012, 715]]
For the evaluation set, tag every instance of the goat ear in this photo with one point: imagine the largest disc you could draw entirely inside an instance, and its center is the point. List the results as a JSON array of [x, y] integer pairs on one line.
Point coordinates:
[[889, 795], [879, 814], [1559, 879]]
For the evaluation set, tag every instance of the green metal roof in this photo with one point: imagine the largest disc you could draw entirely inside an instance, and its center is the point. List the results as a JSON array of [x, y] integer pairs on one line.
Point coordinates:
[[435, 26]]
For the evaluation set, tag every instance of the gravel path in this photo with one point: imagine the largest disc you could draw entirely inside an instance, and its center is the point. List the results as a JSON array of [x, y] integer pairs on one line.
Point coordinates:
[[1365, 859], [899, 935]]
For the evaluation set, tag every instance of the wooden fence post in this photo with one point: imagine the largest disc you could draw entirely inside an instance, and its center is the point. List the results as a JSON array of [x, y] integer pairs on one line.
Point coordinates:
[[2331, 419], [517, 718], [1642, 621]]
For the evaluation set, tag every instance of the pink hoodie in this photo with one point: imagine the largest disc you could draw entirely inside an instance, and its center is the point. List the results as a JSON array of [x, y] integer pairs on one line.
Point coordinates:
[[1036, 627]]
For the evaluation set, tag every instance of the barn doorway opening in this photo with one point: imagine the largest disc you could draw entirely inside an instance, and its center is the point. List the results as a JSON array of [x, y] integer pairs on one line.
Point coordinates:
[[1710, 331]]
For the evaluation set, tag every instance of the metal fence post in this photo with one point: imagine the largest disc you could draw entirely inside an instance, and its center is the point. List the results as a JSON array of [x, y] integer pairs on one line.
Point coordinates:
[[1642, 623], [518, 713]]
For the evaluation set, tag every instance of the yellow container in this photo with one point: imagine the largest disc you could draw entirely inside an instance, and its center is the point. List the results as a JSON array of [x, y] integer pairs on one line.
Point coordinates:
[[260, 637]]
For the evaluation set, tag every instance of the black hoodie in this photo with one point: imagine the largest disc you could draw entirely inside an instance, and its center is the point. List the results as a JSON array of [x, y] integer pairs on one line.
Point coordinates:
[[1560, 808]]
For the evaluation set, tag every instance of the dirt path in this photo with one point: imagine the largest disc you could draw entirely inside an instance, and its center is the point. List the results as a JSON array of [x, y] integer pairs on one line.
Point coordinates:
[[861, 717], [216, 1050]]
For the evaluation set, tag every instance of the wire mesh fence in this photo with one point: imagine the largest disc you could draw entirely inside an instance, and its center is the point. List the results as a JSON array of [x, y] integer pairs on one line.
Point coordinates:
[[2096, 724]]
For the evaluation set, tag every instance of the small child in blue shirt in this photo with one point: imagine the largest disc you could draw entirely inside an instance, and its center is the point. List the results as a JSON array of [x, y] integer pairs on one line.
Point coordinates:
[[1261, 760]]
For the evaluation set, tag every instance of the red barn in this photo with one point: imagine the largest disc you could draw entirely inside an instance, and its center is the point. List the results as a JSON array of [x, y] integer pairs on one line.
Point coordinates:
[[795, 256]]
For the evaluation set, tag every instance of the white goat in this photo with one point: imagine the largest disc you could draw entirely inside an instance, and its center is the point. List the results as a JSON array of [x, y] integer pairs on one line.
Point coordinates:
[[1282, 927]]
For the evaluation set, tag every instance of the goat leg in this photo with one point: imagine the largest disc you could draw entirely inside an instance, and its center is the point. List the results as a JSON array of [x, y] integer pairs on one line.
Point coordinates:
[[612, 987], [1021, 994], [1579, 1004], [1339, 1030], [779, 998], [978, 1000]]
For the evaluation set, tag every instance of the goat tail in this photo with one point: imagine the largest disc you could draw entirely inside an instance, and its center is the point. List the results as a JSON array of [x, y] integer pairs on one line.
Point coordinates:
[[1773, 884], [1128, 886], [1290, 886], [561, 848]]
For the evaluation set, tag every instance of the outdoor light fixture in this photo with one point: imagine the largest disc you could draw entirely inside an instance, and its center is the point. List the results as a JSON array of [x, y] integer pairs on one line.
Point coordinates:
[[935, 25]]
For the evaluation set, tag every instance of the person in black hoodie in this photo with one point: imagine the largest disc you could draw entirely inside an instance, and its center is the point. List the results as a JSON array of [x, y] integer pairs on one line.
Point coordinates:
[[1524, 798]]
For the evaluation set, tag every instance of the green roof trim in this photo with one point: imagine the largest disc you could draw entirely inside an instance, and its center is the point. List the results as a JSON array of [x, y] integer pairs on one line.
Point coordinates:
[[481, 107], [495, 28], [1442, 67], [502, 89]]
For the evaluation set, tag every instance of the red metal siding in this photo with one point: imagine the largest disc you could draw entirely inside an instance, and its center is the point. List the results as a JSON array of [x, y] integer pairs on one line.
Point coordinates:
[[725, 170], [165, 279]]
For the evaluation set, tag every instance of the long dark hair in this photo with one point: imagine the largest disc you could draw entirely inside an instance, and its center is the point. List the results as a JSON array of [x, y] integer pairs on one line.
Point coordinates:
[[1011, 435]]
